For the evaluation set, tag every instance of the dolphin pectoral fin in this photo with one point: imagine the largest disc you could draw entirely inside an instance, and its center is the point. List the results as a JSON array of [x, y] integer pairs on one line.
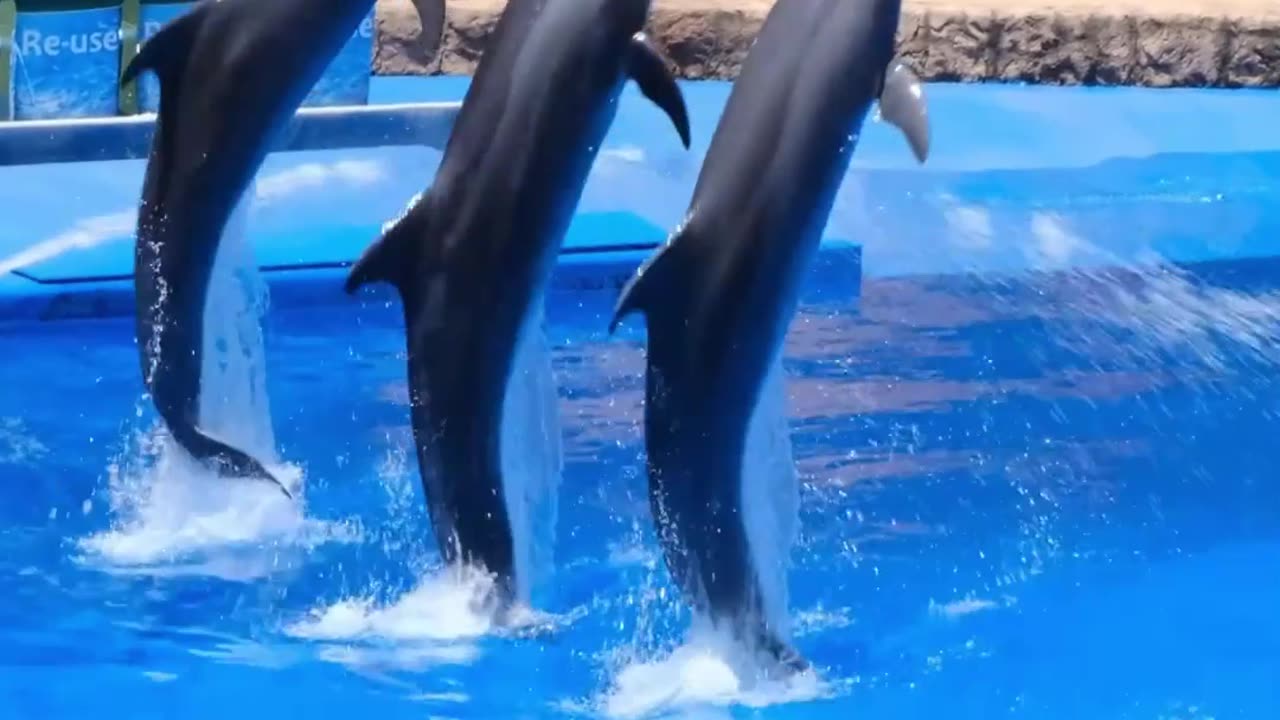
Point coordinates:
[[233, 461], [902, 104], [386, 259], [648, 68], [636, 294], [166, 52]]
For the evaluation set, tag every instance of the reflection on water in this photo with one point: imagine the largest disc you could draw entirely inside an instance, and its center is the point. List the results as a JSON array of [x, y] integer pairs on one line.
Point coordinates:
[[1006, 482]]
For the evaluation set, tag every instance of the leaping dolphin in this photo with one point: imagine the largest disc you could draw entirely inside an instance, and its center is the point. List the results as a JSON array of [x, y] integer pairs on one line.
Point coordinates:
[[471, 258], [718, 297], [232, 73]]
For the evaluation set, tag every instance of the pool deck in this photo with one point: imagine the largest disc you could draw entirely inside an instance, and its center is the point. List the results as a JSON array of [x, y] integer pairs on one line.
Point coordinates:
[[1156, 43]]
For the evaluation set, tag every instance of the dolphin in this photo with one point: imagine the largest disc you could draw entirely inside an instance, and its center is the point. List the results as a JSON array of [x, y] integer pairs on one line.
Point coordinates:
[[232, 73], [718, 296], [471, 257]]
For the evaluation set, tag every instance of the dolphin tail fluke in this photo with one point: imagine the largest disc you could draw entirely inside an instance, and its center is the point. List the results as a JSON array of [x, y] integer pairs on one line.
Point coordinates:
[[649, 69], [782, 654], [389, 257], [648, 282], [235, 462], [166, 52], [902, 104]]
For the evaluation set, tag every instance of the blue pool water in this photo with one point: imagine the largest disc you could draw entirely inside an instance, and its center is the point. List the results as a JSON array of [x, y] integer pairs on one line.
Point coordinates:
[[1033, 416]]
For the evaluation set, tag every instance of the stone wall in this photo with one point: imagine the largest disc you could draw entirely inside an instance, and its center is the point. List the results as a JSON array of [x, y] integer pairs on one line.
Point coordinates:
[[1162, 43]]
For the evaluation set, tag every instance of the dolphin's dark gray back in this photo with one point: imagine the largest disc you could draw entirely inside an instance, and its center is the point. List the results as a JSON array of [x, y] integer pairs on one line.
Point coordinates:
[[231, 73], [471, 257], [485, 97], [717, 298]]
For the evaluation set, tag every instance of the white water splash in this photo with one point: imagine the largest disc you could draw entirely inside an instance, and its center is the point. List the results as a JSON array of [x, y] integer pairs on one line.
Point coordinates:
[[448, 605], [174, 515], [771, 496], [438, 622], [1162, 305], [532, 458], [233, 398], [708, 671]]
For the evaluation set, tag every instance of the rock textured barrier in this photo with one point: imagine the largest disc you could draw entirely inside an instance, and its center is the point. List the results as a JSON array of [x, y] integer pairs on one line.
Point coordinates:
[[1160, 43]]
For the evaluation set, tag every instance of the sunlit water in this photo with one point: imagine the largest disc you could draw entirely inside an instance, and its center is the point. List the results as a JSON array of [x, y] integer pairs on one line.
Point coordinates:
[[1043, 496]]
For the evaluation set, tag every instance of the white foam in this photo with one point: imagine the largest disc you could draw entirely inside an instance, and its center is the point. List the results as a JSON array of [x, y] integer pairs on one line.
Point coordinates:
[[436, 623], [172, 516], [707, 672], [957, 609], [442, 697], [818, 620], [449, 604], [445, 606], [409, 658]]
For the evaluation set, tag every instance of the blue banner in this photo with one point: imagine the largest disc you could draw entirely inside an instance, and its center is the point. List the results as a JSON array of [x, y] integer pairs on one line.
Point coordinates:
[[150, 19], [66, 64], [346, 81]]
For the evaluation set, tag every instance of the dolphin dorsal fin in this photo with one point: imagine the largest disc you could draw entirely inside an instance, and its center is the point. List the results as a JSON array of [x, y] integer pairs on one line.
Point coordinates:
[[390, 258], [902, 105], [648, 68], [654, 278], [167, 51]]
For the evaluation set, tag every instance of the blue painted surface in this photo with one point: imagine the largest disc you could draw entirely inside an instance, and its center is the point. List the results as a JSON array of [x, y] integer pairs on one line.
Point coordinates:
[[66, 63], [152, 17], [346, 80], [1037, 455], [1020, 178]]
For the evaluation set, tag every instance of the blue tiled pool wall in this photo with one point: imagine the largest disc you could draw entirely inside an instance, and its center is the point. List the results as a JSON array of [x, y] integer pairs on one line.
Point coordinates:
[[67, 63], [1021, 179]]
